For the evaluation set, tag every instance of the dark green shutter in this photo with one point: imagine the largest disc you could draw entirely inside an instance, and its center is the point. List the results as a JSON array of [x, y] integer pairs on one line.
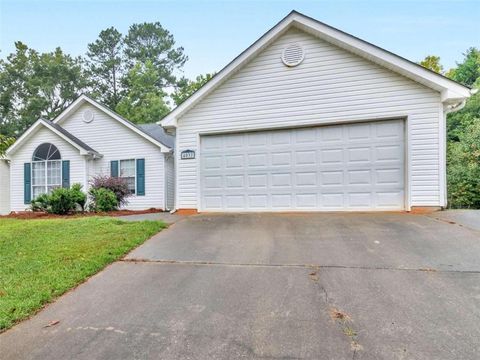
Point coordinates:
[[66, 174], [114, 168], [27, 183], [140, 177]]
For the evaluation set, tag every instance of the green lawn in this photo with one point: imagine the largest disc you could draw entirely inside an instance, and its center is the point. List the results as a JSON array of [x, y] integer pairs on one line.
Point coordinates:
[[42, 259]]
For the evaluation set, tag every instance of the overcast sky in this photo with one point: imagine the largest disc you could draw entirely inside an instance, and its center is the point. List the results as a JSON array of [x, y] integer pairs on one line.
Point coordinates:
[[213, 33]]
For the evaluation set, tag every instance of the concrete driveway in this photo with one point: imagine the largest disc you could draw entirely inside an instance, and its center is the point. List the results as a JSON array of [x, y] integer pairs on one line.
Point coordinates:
[[275, 286]]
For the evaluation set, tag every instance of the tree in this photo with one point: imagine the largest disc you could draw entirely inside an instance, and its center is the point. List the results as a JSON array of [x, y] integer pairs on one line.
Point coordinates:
[[34, 85], [151, 42], [433, 63], [459, 121], [5, 143], [463, 170], [144, 101], [185, 87], [105, 66], [468, 72]]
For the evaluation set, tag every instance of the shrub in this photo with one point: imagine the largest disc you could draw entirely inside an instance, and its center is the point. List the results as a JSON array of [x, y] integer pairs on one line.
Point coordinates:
[[115, 184], [463, 170], [61, 201], [103, 199], [40, 203], [79, 197]]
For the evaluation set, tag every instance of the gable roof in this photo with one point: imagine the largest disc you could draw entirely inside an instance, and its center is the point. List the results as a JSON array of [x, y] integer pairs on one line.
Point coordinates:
[[135, 128], [57, 129], [158, 133], [451, 91]]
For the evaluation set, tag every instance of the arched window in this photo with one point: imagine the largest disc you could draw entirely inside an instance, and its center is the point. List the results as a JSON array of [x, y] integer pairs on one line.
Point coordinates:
[[46, 169]]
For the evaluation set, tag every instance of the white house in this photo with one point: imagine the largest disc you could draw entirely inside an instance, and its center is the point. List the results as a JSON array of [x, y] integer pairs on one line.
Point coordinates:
[[310, 118], [4, 187], [89, 139]]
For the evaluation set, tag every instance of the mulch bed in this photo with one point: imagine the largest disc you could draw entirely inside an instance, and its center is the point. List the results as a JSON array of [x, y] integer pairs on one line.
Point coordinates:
[[44, 215]]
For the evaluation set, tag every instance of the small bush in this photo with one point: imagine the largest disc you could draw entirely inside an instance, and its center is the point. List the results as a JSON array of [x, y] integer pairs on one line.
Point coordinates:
[[79, 197], [61, 201], [103, 200], [40, 203], [117, 185]]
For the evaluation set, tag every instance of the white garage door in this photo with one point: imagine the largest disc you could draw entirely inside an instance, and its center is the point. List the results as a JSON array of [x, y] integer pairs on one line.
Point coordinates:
[[341, 167]]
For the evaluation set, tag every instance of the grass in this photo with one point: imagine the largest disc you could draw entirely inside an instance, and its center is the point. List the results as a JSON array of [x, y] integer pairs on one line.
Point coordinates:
[[42, 259]]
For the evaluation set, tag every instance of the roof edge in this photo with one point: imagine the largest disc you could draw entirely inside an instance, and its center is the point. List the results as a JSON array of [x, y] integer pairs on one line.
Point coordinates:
[[451, 90], [26, 135], [85, 98]]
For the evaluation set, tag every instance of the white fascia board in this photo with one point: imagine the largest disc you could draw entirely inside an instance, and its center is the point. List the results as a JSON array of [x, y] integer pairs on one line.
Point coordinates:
[[334, 36], [31, 131], [83, 98], [381, 56]]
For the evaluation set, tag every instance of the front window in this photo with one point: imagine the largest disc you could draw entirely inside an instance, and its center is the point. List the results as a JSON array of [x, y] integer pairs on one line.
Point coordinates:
[[127, 172], [46, 169]]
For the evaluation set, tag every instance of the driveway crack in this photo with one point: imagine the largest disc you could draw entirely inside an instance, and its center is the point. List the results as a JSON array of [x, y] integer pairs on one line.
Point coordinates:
[[301, 266]]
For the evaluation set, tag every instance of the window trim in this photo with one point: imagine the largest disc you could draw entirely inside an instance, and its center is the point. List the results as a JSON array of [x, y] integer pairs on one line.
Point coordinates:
[[46, 176], [135, 172]]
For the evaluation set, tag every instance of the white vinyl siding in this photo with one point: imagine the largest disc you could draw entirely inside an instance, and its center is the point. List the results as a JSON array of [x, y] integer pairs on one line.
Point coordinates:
[[330, 86], [4, 187], [115, 141], [170, 178], [24, 155]]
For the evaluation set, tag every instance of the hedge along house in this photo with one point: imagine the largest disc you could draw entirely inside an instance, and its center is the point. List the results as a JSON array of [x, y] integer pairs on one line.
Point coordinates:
[[311, 118], [85, 140]]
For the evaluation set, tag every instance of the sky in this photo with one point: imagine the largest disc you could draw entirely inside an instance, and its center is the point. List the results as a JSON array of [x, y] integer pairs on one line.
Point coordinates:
[[214, 32]]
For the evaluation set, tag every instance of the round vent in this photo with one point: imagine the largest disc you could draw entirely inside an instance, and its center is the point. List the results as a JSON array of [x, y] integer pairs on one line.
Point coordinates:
[[293, 55], [88, 116]]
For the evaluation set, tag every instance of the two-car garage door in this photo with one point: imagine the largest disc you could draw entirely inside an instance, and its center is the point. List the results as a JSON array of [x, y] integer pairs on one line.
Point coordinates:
[[339, 167]]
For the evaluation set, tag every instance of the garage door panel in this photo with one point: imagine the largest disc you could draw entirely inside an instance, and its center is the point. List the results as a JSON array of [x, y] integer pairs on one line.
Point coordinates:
[[342, 167], [307, 200], [281, 180], [360, 200], [306, 179], [281, 158]]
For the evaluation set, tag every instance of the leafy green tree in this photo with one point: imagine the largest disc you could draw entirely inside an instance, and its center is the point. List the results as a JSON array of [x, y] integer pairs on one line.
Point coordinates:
[[433, 63], [185, 87], [151, 42], [5, 143], [105, 66], [144, 101], [458, 122], [34, 85], [468, 71], [463, 168]]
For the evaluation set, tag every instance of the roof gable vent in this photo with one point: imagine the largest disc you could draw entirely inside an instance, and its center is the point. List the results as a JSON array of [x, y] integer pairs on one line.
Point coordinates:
[[293, 55], [88, 116]]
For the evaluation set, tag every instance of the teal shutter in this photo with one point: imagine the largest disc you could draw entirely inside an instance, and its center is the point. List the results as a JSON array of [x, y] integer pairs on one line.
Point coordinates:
[[140, 177], [27, 183], [66, 174], [114, 168]]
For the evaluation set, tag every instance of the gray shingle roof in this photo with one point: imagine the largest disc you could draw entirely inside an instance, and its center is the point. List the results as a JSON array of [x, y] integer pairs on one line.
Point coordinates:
[[158, 133], [71, 137]]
